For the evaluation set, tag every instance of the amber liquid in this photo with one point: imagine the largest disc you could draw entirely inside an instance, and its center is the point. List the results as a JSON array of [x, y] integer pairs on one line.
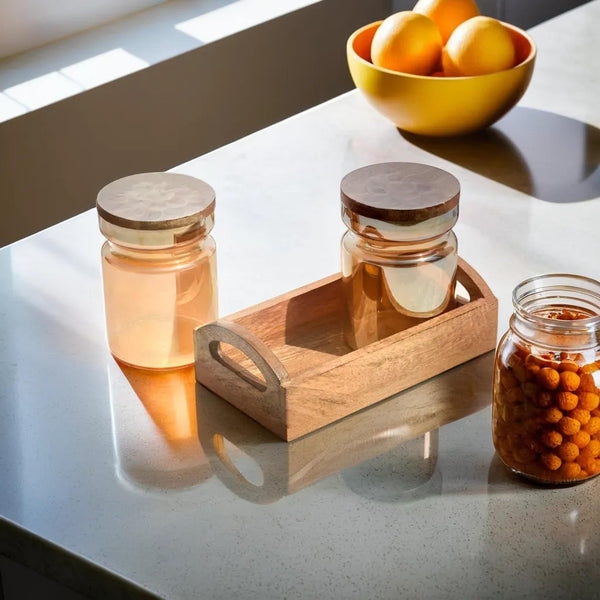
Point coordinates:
[[395, 294], [154, 301]]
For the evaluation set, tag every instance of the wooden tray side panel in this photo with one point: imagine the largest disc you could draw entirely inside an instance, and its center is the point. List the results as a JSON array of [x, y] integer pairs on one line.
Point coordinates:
[[377, 374], [273, 321], [262, 399]]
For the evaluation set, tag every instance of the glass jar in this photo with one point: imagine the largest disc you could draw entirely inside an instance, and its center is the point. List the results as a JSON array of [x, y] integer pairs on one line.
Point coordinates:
[[545, 414], [158, 266], [399, 255]]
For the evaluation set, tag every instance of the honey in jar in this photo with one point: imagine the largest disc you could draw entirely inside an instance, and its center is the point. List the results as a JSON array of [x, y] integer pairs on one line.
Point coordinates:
[[158, 266]]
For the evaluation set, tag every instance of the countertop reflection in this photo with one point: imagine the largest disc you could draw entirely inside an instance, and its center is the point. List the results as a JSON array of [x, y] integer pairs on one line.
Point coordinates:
[[376, 442], [154, 427]]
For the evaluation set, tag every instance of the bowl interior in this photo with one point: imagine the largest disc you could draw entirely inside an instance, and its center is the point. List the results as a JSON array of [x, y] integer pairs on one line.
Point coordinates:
[[361, 45]]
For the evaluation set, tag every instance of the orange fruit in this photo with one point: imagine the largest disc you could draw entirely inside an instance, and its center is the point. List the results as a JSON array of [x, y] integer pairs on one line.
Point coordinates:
[[408, 42], [447, 14], [478, 46]]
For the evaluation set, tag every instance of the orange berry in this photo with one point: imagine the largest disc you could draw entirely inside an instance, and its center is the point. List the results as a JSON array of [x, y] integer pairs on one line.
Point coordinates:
[[568, 365], [543, 399], [593, 448], [570, 470], [588, 400], [547, 360], [552, 415], [552, 439], [568, 426], [523, 454], [548, 378], [582, 415], [550, 461], [515, 395], [566, 400], [581, 439], [588, 463], [568, 451], [535, 445], [569, 381], [586, 381], [592, 426], [590, 368]]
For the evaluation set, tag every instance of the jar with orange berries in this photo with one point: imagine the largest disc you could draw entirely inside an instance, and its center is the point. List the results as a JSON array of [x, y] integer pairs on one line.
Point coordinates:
[[545, 411]]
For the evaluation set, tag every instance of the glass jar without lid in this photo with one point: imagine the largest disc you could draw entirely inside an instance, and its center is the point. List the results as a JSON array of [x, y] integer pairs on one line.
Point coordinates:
[[158, 266], [399, 255], [545, 413]]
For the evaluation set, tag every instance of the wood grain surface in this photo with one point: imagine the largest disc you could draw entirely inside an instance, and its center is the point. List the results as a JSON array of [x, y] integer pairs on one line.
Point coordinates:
[[292, 371]]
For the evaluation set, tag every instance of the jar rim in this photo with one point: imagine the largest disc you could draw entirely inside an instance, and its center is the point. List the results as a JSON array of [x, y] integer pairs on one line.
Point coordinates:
[[578, 293]]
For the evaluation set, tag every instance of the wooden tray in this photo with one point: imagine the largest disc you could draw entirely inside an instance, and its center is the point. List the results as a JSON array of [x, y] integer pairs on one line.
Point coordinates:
[[285, 363]]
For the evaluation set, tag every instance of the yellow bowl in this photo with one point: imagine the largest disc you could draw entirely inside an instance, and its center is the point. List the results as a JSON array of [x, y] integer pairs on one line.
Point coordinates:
[[439, 106]]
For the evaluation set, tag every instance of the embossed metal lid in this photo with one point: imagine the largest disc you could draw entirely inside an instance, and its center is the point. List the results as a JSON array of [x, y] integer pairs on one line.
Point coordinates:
[[400, 192], [155, 209]]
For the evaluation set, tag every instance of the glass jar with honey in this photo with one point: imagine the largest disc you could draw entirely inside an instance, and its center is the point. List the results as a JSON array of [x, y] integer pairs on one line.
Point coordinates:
[[399, 255], [545, 413], [158, 266]]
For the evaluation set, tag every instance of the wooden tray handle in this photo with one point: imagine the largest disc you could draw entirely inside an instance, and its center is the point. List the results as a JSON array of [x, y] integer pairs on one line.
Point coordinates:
[[207, 343], [471, 280]]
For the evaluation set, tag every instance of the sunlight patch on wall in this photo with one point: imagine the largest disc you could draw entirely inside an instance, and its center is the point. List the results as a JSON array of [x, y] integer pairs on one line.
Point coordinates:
[[70, 80], [103, 68], [43, 90], [237, 16], [10, 108]]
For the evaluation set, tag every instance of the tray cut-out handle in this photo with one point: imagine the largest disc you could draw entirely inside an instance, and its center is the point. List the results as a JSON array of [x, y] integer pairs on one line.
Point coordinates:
[[231, 380], [208, 339]]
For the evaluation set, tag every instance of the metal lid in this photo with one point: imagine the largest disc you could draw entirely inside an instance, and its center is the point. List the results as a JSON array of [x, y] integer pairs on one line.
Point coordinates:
[[155, 209], [399, 192]]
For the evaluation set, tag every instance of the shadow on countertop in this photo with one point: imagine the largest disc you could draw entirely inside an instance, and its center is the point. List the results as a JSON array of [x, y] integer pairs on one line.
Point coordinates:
[[545, 155]]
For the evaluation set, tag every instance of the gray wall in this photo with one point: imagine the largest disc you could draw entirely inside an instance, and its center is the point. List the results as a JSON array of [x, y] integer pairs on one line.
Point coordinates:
[[55, 159], [522, 13]]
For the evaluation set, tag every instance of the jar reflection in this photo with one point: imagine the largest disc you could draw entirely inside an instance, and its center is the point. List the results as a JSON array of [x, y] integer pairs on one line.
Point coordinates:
[[403, 474], [154, 427]]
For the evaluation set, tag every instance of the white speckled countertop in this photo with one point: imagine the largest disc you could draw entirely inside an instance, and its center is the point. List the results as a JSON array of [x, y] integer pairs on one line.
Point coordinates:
[[108, 479]]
